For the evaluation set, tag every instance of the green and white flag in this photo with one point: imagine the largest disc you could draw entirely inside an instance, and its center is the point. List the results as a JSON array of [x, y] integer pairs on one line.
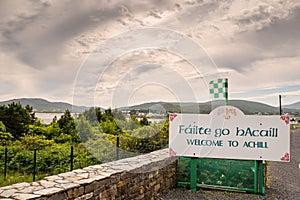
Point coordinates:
[[219, 88]]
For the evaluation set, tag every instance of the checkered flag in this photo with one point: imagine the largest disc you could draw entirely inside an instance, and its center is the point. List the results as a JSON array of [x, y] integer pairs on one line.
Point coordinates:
[[219, 88]]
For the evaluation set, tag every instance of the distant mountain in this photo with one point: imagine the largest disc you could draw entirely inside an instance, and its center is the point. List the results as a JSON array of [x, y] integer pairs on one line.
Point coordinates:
[[292, 106], [252, 107], [248, 107], [42, 105]]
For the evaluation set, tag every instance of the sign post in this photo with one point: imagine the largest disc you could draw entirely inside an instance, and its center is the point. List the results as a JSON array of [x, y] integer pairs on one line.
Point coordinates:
[[227, 133]]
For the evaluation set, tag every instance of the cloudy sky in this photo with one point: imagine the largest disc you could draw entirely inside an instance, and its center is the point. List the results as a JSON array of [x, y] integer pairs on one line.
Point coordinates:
[[114, 53]]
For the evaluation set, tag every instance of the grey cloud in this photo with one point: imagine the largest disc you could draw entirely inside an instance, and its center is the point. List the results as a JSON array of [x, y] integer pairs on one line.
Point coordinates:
[[258, 14], [262, 15], [278, 38], [38, 37], [284, 32], [146, 68], [142, 70]]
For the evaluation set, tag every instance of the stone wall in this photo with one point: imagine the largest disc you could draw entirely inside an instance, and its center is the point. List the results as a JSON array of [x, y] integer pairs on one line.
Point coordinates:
[[141, 177]]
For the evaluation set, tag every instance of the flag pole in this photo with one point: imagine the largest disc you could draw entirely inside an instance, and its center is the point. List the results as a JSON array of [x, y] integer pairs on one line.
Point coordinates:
[[226, 91]]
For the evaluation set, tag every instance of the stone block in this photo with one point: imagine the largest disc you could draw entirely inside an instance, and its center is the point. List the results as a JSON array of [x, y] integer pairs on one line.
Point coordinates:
[[53, 178], [21, 185], [25, 196], [75, 192], [30, 189], [47, 183], [60, 196], [48, 191], [91, 187], [68, 186], [8, 193], [85, 197], [156, 187]]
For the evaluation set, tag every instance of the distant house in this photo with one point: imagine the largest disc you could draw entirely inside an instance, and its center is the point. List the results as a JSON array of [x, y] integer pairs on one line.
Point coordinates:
[[294, 120]]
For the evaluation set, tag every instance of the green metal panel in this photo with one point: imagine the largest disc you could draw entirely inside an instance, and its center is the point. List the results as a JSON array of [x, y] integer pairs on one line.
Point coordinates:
[[242, 175]]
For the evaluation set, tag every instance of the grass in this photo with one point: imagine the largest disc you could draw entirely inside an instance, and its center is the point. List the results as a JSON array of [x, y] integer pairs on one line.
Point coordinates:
[[13, 178], [294, 126], [19, 178]]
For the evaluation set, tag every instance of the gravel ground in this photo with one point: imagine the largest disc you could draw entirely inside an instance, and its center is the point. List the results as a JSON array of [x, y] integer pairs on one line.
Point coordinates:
[[283, 182]]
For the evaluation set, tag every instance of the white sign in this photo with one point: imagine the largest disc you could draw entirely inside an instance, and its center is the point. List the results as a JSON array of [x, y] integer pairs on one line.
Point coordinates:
[[227, 133]]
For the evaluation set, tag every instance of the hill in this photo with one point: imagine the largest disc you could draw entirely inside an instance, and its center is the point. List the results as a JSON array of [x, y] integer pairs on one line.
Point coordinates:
[[293, 106], [248, 107], [42, 105]]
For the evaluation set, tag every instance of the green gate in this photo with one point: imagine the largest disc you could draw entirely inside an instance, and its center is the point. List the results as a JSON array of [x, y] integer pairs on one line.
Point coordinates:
[[239, 175]]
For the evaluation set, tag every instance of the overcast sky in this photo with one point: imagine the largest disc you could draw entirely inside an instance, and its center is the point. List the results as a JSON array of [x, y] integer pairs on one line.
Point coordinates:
[[115, 53]]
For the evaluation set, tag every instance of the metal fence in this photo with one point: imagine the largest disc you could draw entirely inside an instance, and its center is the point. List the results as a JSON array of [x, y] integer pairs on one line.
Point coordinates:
[[241, 175], [26, 165]]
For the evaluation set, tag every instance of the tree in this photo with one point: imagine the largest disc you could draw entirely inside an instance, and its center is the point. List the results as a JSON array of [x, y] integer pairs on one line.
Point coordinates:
[[2, 127], [53, 131], [67, 125], [98, 114], [118, 115], [37, 129], [110, 127], [144, 122], [92, 115], [84, 129], [107, 115], [16, 118], [5, 137], [54, 120], [35, 142]]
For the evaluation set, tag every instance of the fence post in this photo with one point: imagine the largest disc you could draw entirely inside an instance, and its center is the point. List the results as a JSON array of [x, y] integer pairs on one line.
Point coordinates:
[[255, 176], [72, 158], [34, 164], [262, 177], [193, 175], [5, 162], [117, 147]]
